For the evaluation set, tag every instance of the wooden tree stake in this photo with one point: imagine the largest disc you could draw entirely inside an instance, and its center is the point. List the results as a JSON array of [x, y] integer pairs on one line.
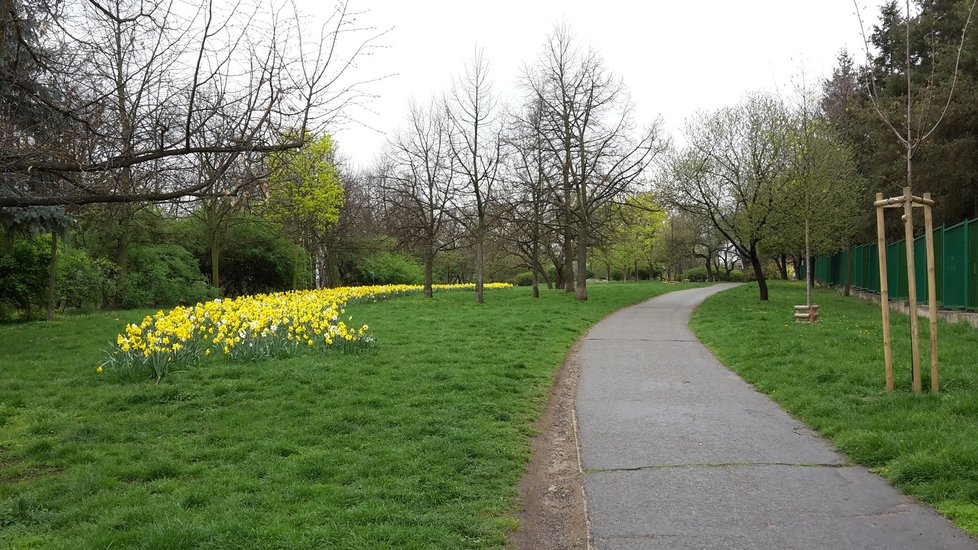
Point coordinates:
[[884, 294], [931, 293], [912, 289]]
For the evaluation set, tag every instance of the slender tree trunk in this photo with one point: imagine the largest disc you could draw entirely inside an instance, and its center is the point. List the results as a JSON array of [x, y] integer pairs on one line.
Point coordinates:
[[535, 267], [215, 263], [52, 276], [759, 274], [782, 261], [568, 271], [122, 247], [809, 283], [478, 266], [544, 276], [581, 294], [429, 270]]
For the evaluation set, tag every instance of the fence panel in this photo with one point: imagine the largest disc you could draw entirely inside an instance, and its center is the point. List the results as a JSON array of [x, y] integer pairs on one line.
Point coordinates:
[[972, 273], [956, 266], [896, 270], [840, 266], [858, 266], [872, 259], [920, 265]]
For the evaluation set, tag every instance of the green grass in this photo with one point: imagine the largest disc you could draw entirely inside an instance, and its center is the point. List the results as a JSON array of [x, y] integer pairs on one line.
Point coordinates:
[[417, 442], [831, 376]]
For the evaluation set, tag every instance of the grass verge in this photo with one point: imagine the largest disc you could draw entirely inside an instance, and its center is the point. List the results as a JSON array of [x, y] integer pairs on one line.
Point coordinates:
[[417, 442], [830, 375]]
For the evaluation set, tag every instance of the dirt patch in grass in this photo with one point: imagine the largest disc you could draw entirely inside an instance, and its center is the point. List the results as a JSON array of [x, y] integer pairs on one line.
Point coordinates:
[[554, 514]]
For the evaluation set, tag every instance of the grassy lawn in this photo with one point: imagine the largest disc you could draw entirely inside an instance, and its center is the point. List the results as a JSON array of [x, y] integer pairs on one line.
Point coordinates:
[[417, 442], [831, 376]]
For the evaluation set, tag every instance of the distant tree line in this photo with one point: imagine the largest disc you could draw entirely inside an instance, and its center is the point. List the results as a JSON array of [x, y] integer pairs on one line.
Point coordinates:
[[154, 171]]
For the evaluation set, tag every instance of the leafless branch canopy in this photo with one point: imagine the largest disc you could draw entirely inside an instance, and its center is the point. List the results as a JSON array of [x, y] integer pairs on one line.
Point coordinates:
[[132, 93]]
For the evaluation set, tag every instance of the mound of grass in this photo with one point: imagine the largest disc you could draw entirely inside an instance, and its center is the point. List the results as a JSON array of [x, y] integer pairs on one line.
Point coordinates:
[[831, 376], [417, 442]]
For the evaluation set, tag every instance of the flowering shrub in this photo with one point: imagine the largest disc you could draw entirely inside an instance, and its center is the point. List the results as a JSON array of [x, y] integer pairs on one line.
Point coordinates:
[[248, 328]]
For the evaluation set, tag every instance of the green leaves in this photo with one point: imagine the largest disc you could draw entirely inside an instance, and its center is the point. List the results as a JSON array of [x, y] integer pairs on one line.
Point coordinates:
[[304, 192]]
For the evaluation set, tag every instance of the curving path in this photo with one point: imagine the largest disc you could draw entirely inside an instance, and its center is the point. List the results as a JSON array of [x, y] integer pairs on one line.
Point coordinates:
[[679, 452]]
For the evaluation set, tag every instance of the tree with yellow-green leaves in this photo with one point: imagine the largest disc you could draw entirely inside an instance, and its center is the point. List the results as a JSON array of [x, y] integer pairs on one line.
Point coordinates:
[[628, 235], [304, 196]]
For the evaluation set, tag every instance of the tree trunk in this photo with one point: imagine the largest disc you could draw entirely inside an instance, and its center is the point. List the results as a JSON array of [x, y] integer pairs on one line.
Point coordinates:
[[709, 270], [52, 275], [758, 274], [810, 279], [544, 276], [581, 294], [568, 260], [122, 247], [536, 282], [429, 269], [478, 269], [782, 261], [215, 263]]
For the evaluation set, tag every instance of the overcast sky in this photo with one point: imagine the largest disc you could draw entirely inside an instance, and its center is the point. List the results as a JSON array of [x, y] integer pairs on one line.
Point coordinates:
[[675, 57]]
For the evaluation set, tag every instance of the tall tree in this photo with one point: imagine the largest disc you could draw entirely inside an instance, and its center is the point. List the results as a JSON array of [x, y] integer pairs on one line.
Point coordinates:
[[734, 173], [917, 71], [531, 173], [592, 134], [421, 183], [476, 145], [304, 196]]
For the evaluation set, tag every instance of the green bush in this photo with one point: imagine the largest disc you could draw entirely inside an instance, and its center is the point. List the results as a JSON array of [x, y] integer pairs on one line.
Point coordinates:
[[161, 275], [696, 274], [524, 278], [83, 282], [390, 268], [24, 276], [736, 276]]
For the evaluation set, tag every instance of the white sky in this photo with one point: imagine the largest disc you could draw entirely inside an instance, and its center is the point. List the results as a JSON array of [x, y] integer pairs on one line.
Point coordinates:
[[675, 56]]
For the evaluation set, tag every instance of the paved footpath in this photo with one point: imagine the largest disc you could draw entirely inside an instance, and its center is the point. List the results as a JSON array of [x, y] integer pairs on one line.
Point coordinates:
[[678, 452]]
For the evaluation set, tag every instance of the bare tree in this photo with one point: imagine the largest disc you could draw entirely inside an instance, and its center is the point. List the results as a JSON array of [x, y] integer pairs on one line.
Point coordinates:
[[420, 182], [530, 174], [142, 89], [476, 145], [920, 119], [590, 132]]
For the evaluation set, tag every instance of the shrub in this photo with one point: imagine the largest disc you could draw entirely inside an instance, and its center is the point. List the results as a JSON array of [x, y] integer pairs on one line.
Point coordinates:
[[390, 268], [524, 278], [696, 274], [736, 276], [24, 276], [83, 282], [161, 275]]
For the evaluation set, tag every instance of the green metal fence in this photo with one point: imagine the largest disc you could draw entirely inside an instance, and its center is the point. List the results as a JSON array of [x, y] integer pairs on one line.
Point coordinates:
[[955, 262]]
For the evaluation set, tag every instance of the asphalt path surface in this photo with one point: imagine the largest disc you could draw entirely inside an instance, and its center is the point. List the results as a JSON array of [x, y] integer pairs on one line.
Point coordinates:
[[679, 452]]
